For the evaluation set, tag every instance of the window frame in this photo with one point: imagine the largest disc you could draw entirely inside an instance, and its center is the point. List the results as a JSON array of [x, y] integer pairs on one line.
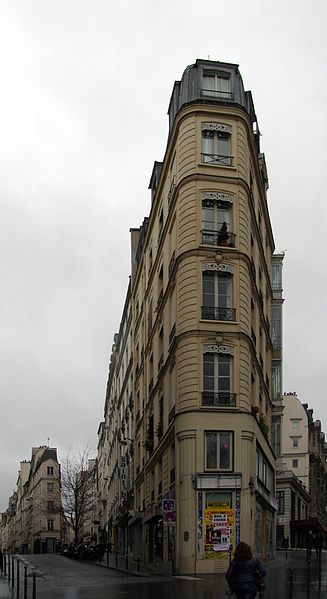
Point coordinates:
[[216, 144], [213, 394], [216, 91], [218, 466], [217, 294]]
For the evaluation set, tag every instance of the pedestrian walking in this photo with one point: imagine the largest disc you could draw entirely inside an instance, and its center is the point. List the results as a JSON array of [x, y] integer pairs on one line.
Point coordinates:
[[244, 572], [309, 543]]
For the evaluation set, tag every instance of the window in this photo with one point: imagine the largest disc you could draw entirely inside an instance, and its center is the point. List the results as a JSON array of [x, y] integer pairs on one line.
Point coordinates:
[[295, 441], [217, 295], [276, 326], [218, 450], [216, 216], [50, 470], [295, 463], [50, 506], [295, 422], [217, 380], [49, 486], [216, 140], [276, 276], [216, 86], [280, 495], [50, 525]]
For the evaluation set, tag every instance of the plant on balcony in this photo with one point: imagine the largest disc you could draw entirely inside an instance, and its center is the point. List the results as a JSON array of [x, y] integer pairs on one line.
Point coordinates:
[[264, 424]]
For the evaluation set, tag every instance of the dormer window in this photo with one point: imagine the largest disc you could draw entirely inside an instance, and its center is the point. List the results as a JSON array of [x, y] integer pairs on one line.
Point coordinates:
[[217, 86]]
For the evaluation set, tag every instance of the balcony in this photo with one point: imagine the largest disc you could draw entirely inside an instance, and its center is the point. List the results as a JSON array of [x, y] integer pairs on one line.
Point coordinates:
[[216, 313], [220, 399], [219, 159], [217, 238], [217, 94]]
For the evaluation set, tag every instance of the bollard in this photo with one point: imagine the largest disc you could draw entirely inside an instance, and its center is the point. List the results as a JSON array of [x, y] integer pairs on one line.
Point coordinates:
[[319, 569], [116, 559], [25, 582], [5, 565], [290, 590], [138, 563], [308, 578], [17, 579], [34, 586], [12, 571], [107, 558], [126, 561]]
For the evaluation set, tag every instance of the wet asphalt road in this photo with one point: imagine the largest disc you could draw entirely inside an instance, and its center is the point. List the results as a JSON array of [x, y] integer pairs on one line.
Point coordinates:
[[62, 578]]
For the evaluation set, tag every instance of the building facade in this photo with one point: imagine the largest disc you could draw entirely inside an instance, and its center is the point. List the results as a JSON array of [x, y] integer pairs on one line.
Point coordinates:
[[201, 299], [32, 522], [115, 445]]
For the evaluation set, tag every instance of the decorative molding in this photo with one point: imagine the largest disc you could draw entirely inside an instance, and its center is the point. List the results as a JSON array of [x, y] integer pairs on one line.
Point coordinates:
[[219, 267], [218, 349], [216, 127], [217, 195]]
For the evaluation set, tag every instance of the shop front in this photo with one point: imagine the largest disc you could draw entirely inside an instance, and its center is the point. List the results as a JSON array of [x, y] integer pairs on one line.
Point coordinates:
[[218, 511]]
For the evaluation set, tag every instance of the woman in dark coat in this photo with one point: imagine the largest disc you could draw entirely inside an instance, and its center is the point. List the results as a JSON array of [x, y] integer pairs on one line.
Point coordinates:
[[241, 574]]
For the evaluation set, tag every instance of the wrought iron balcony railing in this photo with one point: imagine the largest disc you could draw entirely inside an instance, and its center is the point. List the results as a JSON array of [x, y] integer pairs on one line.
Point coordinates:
[[220, 159], [216, 238], [221, 398], [216, 313], [222, 95]]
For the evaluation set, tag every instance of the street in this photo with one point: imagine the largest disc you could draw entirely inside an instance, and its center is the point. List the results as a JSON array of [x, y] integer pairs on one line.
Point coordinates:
[[62, 578]]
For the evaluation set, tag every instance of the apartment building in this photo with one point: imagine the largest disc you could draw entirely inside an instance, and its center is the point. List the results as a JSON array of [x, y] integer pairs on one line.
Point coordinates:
[[115, 445], [32, 522], [201, 299]]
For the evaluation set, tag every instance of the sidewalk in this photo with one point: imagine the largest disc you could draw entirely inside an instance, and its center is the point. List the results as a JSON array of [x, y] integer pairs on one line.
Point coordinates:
[[5, 590]]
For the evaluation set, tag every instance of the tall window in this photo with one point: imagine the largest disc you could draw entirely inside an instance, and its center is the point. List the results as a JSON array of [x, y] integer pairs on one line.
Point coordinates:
[[217, 380], [216, 86], [216, 216], [216, 146], [219, 450], [217, 295], [50, 525], [50, 470], [280, 496]]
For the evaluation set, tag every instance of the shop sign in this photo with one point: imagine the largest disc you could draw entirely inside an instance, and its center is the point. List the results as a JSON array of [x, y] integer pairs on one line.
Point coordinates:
[[123, 478]]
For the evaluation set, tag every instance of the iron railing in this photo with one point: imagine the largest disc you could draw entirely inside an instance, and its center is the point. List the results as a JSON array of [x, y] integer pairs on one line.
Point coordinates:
[[220, 398], [217, 313], [216, 238]]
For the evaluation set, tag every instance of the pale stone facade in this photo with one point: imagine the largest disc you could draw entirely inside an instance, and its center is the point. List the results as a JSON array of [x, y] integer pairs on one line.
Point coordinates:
[[201, 298], [32, 522], [115, 444]]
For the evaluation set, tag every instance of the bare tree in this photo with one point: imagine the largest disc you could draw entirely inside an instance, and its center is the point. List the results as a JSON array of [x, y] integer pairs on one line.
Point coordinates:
[[78, 488]]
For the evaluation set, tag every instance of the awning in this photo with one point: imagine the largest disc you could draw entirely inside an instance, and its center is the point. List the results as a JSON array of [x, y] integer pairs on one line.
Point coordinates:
[[310, 524]]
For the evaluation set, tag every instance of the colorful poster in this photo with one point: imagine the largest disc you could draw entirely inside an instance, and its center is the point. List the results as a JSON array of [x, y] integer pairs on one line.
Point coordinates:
[[218, 531]]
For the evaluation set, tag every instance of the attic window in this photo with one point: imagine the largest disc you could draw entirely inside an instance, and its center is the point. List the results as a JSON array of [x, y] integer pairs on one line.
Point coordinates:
[[216, 85]]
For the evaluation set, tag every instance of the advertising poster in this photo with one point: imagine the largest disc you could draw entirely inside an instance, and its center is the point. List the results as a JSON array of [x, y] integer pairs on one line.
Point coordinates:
[[218, 531]]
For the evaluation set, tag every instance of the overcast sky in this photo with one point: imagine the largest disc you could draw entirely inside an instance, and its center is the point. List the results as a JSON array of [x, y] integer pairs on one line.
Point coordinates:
[[85, 87]]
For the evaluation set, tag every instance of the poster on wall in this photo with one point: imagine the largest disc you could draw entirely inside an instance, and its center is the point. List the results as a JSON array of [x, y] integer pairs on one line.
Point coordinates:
[[218, 531]]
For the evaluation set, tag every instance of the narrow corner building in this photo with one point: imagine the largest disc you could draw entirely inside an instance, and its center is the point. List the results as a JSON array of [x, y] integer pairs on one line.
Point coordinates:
[[201, 298]]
